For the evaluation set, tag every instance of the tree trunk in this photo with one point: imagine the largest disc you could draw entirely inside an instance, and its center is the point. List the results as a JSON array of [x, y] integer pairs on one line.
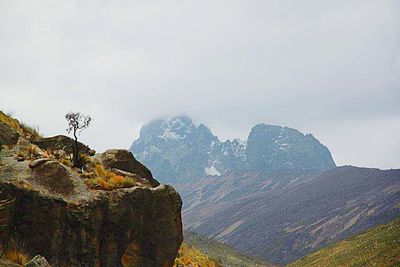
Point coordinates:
[[75, 152]]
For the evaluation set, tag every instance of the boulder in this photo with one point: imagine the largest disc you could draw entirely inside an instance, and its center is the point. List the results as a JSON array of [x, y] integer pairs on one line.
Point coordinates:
[[38, 261], [51, 210], [37, 162], [124, 160], [60, 142]]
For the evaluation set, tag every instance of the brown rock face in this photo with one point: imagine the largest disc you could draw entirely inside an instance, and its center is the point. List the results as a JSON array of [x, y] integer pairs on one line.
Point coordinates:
[[8, 135], [55, 215], [60, 142], [124, 160]]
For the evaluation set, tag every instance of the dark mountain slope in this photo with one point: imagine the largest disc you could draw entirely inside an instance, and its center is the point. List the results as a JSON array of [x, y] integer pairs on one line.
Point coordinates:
[[282, 216]]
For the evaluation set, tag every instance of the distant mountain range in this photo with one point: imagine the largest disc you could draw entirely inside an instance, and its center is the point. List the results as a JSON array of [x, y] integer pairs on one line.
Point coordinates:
[[176, 150], [278, 195]]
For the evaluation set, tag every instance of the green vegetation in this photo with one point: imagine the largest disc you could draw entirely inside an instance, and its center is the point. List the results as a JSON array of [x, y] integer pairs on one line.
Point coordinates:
[[224, 254], [379, 246], [190, 256]]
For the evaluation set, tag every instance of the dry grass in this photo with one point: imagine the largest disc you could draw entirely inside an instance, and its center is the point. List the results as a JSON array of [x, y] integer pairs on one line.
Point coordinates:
[[18, 257], [66, 161], [31, 152], [23, 129], [85, 159], [16, 253], [107, 180]]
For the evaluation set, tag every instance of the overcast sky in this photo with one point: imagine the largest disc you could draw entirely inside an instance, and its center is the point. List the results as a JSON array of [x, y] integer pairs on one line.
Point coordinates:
[[330, 68]]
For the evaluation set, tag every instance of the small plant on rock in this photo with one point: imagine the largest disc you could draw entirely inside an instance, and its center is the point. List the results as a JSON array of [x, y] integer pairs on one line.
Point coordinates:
[[76, 123], [15, 252]]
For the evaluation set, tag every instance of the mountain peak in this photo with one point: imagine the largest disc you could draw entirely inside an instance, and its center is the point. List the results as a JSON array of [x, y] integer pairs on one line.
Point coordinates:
[[177, 148]]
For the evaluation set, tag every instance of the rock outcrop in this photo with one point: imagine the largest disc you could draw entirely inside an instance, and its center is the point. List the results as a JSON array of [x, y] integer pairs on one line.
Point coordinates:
[[8, 135], [124, 160], [49, 207], [60, 142], [57, 216]]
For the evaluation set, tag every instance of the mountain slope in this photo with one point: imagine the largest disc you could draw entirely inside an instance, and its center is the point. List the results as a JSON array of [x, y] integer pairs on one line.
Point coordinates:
[[282, 216], [227, 256], [178, 151], [379, 246]]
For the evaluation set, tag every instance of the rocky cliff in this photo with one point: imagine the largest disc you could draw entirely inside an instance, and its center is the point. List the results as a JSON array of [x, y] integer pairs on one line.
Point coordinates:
[[179, 151], [110, 213]]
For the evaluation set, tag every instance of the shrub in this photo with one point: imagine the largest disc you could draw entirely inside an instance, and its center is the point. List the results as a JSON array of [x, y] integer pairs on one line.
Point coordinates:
[[66, 162], [190, 256], [85, 159], [16, 253], [29, 152], [18, 257]]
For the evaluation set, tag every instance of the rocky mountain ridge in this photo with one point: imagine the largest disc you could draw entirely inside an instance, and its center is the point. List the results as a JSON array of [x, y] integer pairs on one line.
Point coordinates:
[[177, 150]]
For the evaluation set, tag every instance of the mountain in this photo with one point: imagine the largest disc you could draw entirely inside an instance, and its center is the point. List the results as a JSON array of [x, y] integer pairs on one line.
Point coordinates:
[[177, 150], [278, 195], [376, 247]]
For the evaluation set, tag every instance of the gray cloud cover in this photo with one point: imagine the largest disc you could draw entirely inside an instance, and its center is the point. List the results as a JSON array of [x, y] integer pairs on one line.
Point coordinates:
[[331, 68]]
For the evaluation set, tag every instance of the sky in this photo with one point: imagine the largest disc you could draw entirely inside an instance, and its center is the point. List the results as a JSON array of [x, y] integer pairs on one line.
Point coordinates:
[[330, 68]]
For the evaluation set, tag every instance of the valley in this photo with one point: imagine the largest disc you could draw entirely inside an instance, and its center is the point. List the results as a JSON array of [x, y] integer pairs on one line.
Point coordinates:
[[278, 195]]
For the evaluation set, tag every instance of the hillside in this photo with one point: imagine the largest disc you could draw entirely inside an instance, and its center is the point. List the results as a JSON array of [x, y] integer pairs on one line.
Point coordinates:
[[227, 256], [190, 256], [282, 216], [379, 246]]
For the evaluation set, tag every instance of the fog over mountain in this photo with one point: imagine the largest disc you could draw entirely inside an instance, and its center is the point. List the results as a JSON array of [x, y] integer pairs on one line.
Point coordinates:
[[178, 151], [328, 68]]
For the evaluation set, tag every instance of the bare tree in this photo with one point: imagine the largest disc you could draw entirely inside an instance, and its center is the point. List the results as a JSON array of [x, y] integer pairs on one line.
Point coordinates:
[[76, 123]]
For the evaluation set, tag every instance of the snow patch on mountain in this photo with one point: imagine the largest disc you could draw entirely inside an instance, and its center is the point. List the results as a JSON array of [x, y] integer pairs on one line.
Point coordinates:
[[212, 171], [170, 135]]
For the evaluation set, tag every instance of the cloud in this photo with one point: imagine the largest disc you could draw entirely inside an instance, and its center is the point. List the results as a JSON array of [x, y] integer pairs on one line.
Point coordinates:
[[329, 68]]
